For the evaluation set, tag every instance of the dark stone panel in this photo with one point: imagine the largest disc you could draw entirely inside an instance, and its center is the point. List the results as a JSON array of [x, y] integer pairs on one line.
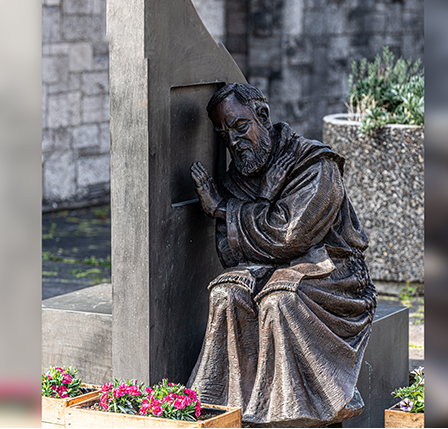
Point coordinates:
[[163, 248], [385, 366]]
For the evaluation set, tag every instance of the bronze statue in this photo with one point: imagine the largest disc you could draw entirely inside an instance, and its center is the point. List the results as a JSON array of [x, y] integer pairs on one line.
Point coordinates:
[[290, 316]]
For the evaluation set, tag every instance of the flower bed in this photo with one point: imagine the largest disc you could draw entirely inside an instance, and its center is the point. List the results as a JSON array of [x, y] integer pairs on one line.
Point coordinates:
[[87, 415], [409, 412], [131, 404]]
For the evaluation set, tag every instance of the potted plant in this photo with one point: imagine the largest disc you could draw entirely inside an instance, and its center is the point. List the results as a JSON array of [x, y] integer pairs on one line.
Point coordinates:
[[381, 138], [60, 389], [409, 412], [131, 404]]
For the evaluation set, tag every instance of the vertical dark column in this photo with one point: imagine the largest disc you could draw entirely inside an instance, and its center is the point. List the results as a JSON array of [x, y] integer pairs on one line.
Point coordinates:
[[163, 251]]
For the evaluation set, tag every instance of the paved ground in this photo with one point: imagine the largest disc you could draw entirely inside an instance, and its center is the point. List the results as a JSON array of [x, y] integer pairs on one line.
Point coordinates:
[[76, 255], [75, 250]]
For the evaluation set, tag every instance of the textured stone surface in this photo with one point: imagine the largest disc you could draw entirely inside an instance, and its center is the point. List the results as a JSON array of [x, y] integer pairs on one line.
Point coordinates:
[[59, 178], [75, 100], [297, 51], [384, 179], [315, 42]]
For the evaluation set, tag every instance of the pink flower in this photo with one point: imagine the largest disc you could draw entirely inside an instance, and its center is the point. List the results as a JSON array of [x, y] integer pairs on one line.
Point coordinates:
[[67, 378], [191, 393], [157, 410], [179, 404], [198, 409], [106, 387]]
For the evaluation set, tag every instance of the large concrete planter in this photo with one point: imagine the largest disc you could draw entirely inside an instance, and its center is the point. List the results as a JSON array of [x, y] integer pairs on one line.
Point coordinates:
[[384, 179]]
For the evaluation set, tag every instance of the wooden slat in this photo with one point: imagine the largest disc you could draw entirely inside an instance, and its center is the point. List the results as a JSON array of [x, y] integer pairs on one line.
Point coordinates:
[[77, 417]]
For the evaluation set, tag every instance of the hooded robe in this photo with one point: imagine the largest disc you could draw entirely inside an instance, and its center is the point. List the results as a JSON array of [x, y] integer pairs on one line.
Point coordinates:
[[291, 314]]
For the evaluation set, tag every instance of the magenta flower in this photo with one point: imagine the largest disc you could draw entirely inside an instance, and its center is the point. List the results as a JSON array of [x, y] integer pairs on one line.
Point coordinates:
[[157, 410], [191, 393], [106, 387], [179, 403]]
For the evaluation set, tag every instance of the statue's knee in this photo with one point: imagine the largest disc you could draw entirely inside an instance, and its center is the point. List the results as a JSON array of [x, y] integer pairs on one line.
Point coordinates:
[[223, 293], [231, 296], [276, 301]]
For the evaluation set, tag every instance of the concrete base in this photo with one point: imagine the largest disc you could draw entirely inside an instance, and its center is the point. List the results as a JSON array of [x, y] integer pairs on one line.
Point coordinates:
[[77, 330]]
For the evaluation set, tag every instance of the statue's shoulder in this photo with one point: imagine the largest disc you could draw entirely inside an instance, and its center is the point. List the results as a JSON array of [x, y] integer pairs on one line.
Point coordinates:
[[308, 151]]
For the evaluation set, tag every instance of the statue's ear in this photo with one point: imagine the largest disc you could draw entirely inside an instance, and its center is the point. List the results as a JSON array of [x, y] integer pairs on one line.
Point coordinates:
[[264, 115]]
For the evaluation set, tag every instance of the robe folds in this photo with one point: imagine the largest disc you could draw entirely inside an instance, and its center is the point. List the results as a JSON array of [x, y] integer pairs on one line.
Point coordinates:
[[290, 316]]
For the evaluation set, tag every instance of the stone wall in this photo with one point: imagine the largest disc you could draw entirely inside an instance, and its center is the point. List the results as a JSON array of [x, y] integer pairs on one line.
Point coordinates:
[[75, 101], [75, 98], [384, 177], [297, 51], [300, 51]]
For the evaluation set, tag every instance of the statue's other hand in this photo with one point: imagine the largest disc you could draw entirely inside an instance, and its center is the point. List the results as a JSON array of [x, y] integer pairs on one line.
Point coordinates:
[[275, 177], [199, 174], [206, 189]]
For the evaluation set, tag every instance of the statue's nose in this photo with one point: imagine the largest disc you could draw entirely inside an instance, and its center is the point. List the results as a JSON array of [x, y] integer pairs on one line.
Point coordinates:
[[233, 138]]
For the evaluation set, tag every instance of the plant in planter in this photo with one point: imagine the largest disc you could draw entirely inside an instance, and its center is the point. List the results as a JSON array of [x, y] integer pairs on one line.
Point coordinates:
[[171, 401], [381, 139], [60, 389], [409, 412], [386, 91], [132, 404], [165, 400], [61, 383]]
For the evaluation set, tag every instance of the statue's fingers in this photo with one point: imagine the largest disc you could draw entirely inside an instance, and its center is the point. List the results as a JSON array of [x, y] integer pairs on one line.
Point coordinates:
[[202, 169], [198, 176]]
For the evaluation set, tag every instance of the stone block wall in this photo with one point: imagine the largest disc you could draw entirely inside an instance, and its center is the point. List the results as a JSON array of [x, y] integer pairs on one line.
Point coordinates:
[[300, 51], [75, 101], [75, 98]]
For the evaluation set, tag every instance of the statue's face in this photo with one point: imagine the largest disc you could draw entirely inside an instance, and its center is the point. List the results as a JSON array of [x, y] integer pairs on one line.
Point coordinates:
[[244, 135]]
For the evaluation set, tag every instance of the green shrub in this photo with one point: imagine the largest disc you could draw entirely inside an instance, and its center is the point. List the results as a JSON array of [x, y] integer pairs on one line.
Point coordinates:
[[386, 91]]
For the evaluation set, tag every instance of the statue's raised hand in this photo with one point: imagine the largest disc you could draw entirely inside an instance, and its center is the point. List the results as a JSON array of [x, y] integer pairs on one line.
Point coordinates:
[[205, 188], [275, 177]]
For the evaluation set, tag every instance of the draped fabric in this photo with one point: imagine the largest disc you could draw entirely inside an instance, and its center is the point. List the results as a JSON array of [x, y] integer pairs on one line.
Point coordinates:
[[290, 316]]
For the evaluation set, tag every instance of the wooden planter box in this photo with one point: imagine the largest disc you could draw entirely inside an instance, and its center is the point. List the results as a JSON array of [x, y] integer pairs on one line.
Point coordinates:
[[53, 410], [395, 418], [78, 417]]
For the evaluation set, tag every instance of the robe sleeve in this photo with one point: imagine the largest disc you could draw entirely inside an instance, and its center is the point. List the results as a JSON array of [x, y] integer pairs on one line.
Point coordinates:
[[278, 232]]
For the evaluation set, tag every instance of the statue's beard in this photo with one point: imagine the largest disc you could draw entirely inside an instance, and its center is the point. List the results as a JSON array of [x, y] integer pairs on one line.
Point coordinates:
[[250, 159]]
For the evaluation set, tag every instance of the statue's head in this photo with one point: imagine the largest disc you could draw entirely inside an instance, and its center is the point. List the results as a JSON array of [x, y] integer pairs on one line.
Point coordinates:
[[240, 114]]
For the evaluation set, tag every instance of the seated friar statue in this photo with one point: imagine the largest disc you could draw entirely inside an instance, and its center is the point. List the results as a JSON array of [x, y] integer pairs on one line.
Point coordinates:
[[290, 316]]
